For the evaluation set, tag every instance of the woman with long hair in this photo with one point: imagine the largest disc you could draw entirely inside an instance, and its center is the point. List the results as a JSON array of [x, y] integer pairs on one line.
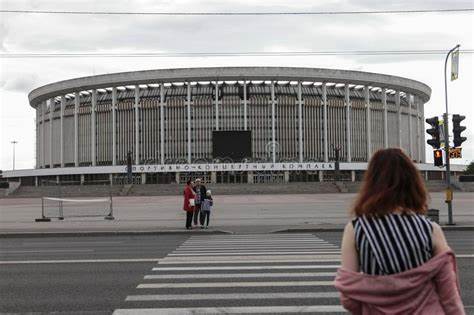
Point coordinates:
[[394, 259]]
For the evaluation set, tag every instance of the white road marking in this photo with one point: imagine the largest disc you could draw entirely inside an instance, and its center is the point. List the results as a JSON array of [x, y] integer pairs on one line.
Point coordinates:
[[235, 284], [231, 247], [243, 275], [233, 310], [259, 253], [46, 251], [240, 267], [78, 261], [232, 296], [249, 261], [249, 257]]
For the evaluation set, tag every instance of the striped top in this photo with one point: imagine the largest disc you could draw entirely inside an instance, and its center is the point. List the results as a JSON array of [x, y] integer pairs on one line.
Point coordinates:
[[393, 243]]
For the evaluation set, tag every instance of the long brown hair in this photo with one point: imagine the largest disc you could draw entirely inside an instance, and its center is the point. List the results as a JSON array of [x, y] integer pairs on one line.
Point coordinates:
[[391, 183]]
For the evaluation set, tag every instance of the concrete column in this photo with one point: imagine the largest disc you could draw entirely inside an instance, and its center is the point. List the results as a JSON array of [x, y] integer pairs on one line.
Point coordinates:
[[217, 104], [137, 125], [245, 105], [385, 122], [42, 142], [368, 123], [143, 179], [51, 113], [418, 143], [114, 126], [177, 177], [426, 175], [57, 179], [188, 108], [321, 176], [399, 118], [286, 176], [410, 133], [93, 118], [36, 181], [162, 123], [348, 122], [422, 131], [111, 179], [325, 123], [272, 88], [250, 178], [300, 123], [353, 176], [77, 102], [61, 134], [82, 179], [213, 177]]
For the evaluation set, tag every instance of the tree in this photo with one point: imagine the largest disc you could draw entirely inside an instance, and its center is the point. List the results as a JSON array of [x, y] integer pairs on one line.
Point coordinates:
[[470, 169]]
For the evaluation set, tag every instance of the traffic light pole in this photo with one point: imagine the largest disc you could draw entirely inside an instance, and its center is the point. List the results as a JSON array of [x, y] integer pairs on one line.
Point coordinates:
[[446, 142]]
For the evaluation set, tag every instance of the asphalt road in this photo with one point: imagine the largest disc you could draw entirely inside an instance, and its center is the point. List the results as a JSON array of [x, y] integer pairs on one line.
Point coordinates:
[[273, 273]]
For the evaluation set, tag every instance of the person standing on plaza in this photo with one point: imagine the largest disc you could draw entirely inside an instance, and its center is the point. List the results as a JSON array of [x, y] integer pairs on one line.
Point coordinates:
[[394, 259], [200, 191], [189, 202], [206, 206]]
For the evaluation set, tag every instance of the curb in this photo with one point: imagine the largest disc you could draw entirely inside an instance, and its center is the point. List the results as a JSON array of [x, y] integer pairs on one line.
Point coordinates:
[[109, 233], [341, 229]]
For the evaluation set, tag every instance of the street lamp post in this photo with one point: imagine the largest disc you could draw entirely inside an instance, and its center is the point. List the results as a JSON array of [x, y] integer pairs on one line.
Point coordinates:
[[446, 142], [14, 142]]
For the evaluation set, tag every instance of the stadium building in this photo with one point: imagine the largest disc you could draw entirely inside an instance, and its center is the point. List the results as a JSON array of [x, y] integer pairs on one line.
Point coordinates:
[[226, 124]]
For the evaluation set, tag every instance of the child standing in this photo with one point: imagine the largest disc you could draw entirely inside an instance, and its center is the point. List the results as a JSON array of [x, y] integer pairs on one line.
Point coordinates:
[[206, 205]]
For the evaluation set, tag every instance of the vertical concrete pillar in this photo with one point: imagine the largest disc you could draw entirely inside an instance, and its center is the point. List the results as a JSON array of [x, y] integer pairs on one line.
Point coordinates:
[[250, 178], [143, 179], [36, 181], [213, 177], [245, 105], [418, 143], [111, 179], [321, 176], [51, 127], [82, 179], [286, 175], [300, 123], [114, 126], [57, 180], [410, 132], [93, 125], [188, 108], [177, 177], [426, 175], [399, 118], [348, 122], [77, 103], [162, 123], [137, 124], [272, 89], [368, 122], [325, 123], [217, 104], [61, 134], [353, 176], [385, 114]]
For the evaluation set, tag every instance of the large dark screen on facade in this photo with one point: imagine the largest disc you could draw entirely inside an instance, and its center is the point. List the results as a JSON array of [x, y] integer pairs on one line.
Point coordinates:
[[233, 144]]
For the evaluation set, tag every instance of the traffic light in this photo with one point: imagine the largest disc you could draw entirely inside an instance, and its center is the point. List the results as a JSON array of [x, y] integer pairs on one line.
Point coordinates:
[[457, 129], [435, 141], [438, 157]]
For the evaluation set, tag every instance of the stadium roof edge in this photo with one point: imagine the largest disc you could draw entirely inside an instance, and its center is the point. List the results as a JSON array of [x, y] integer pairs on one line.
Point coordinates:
[[51, 90]]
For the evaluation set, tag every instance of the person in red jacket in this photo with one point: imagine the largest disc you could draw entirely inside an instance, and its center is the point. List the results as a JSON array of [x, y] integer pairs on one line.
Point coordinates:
[[188, 205], [394, 259]]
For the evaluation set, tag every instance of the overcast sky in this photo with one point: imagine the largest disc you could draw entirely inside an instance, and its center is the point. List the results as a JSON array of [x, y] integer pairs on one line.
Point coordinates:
[[41, 33]]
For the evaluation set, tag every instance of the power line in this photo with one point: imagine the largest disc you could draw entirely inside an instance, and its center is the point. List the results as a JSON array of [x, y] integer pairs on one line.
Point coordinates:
[[234, 54], [459, 10]]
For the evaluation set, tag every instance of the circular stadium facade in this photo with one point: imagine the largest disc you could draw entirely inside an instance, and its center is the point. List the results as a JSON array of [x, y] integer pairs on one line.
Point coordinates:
[[215, 119]]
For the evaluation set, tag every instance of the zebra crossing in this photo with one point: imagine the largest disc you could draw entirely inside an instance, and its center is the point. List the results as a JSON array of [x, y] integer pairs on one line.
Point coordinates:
[[241, 274]]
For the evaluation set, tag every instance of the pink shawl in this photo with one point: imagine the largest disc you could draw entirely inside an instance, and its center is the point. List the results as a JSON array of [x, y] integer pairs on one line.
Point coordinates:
[[432, 288]]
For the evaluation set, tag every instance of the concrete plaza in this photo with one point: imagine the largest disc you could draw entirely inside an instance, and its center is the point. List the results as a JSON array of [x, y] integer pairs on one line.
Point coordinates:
[[239, 213]]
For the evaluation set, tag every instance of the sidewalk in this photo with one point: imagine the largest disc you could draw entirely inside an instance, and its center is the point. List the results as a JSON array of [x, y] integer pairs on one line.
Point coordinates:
[[232, 214]]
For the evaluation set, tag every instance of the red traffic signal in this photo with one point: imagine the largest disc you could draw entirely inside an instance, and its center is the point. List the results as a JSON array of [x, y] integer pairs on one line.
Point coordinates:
[[438, 157]]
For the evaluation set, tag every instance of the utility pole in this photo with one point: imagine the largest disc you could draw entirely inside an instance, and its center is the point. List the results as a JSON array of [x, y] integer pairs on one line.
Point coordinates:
[[449, 191], [14, 142]]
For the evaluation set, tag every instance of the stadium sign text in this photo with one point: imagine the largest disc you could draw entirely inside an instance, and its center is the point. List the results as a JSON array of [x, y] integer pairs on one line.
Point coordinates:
[[231, 167]]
